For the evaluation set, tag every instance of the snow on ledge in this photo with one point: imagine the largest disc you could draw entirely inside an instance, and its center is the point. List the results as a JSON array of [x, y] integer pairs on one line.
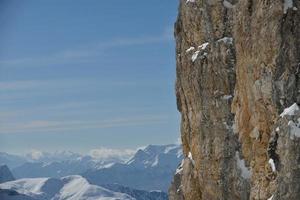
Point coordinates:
[[190, 1], [271, 162], [190, 156], [203, 46], [190, 49], [227, 4], [227, 97], [290, 110], [195, 55], [226, 40]]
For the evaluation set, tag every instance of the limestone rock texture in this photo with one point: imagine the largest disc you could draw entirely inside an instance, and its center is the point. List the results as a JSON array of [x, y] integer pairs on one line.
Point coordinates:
[[238, 69]]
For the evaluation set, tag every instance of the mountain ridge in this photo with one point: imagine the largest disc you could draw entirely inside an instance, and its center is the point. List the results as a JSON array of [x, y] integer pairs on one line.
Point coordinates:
[[151, 168]]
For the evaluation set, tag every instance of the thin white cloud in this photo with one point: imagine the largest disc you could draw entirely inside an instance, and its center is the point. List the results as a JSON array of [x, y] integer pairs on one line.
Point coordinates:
[[84, 54], [23, 85], [19, 85], [101, 154], [35, 154], [67, 83], [41, 126], [107, 153], [29, 89]]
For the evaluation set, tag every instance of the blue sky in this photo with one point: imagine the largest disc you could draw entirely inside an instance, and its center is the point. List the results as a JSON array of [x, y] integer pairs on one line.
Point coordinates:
[[79, 75]]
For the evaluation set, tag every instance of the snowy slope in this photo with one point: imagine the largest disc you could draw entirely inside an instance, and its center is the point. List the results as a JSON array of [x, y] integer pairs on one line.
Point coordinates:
[[66, 188]]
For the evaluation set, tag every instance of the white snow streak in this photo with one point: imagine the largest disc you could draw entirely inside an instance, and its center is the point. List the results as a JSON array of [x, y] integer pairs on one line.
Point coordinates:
[[190, 49], [271, 162], [190, 1], [195, 55]]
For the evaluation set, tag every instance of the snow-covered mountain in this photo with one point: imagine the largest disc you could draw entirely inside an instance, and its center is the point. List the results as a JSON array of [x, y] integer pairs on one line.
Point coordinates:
[[5, 174], [59, 164], [66, 188], [151, 168], [144, 176], [160, 156]]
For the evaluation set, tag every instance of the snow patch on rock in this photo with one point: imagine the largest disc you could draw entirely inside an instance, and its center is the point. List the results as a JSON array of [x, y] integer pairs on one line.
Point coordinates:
[[226, 97], [294, 129], [190, 49], [246, 173], [287, 4], [203, 46], [271, 162], [227, 4], [190, 156], [226, 40], [195, 56], [290, 110], [190, 1]]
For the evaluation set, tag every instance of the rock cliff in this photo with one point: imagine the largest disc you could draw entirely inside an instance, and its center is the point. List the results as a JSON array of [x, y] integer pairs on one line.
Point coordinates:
[[238, 90]]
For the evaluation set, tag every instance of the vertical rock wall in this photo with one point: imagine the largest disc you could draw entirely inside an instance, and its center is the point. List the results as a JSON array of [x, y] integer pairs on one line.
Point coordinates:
[[238, 65]]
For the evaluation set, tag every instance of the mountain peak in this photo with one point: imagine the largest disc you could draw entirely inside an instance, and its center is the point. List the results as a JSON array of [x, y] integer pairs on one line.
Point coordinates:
[[5, 174], [151, 168], [153, 155]]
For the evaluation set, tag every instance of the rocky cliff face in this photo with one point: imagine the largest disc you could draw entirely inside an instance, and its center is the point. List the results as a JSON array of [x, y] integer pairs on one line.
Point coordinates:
[[238, 65]]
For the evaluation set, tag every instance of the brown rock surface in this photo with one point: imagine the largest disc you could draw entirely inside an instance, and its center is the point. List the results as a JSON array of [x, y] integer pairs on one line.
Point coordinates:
[[238, 65]]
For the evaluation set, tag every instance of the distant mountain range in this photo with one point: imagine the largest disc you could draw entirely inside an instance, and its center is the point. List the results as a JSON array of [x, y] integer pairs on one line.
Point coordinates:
[[149, 169], [10, 160], [145, 176], [56, 169], [55, 165]]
